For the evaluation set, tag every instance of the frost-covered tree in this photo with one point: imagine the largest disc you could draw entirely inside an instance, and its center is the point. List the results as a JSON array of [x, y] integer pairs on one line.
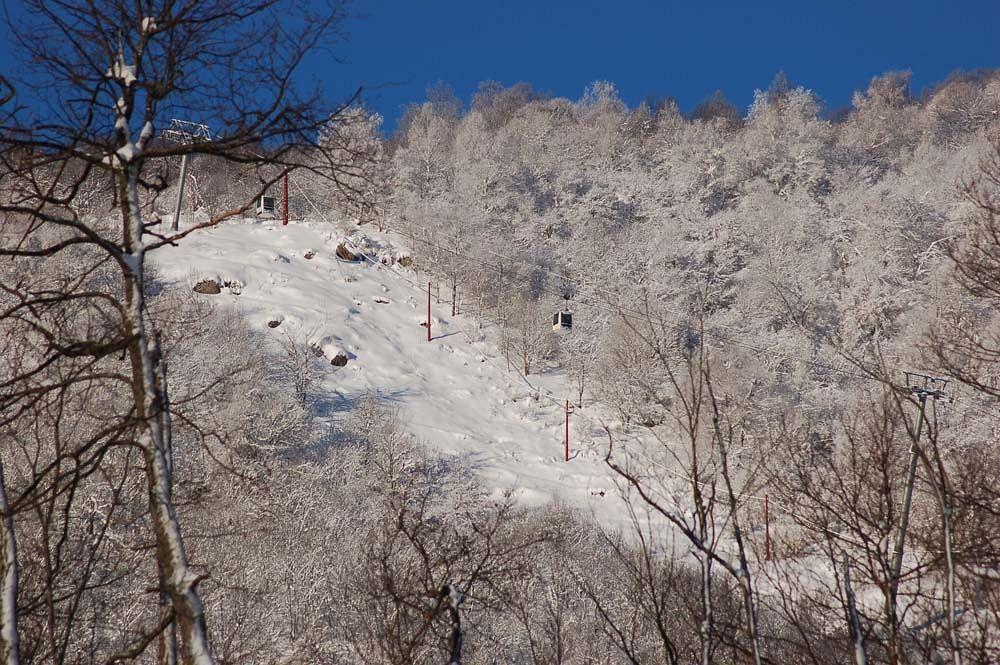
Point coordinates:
[[967, 343], [813, 250]]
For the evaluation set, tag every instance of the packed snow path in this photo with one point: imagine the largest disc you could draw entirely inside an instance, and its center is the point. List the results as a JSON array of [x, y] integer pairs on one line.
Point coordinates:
[[455, 392]]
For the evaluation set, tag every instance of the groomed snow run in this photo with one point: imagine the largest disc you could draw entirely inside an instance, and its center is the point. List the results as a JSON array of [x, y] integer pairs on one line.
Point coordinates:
[[455, 392]]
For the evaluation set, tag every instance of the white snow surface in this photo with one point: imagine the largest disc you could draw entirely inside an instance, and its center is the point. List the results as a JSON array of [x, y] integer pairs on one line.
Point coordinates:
[[127, 152], [119, 71], [455, 392]]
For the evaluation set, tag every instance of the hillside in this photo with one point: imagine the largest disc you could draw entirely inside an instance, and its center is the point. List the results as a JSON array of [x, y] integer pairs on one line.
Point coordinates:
[[455, 393], [769, 436]]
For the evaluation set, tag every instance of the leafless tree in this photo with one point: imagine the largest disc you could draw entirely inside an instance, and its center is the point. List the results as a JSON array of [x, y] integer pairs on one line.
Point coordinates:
[[432, 552], [103, 79], [705, 467]]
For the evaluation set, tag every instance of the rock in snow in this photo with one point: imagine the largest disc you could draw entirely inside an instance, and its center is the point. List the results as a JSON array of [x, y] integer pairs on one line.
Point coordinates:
[[348, 252], [208, 286], [326, 347]]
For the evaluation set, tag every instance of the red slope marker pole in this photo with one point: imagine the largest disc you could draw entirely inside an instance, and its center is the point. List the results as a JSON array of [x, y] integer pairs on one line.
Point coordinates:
[[767, 530], [567, 430], [428, 311], [284, 200]]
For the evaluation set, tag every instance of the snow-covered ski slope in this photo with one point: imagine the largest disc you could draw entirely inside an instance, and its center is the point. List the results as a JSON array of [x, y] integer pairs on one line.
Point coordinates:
[[455, 392]]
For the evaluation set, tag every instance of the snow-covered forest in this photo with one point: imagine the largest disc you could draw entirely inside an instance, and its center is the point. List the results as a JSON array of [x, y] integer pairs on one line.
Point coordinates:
[[224, 440]]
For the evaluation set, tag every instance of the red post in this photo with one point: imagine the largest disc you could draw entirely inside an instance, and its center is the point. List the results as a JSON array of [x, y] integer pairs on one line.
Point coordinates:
[[284, 200], [428, 311], [567, 430], [767, 530]]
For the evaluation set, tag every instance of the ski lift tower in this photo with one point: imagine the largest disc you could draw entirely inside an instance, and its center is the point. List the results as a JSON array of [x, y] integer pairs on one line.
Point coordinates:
[[186, 133]]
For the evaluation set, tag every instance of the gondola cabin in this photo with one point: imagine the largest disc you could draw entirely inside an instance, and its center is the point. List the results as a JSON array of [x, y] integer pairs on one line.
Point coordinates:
[[266, 206], [562, 321]]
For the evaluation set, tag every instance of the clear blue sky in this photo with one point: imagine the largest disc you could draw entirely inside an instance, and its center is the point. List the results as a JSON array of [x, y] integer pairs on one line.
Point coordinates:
[[683, 49], [687, 50]]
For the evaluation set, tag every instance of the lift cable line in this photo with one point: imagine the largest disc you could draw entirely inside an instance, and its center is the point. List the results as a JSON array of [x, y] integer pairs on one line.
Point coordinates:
[[184, 132], [615, 310], [620, 311], [870, 377]]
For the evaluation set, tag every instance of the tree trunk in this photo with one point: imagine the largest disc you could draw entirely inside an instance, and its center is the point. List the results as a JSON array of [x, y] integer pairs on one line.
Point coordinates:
[[154, 441], [454, 601], [707, 628], [745, 577], [853, 621], [8, 580]]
